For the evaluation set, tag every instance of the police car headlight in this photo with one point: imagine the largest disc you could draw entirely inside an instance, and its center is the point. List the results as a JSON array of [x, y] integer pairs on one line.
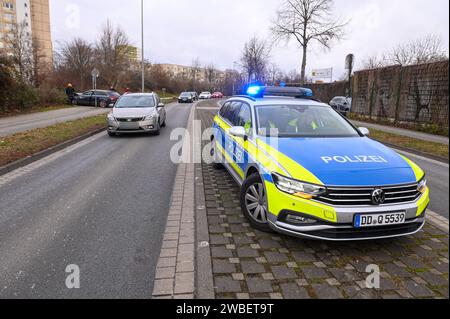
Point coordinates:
[[297, 188], [111, 117], [422, 187]]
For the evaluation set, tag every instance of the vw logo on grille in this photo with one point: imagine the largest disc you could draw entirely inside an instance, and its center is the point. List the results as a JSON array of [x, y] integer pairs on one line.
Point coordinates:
[[378, 197], [129, 120]]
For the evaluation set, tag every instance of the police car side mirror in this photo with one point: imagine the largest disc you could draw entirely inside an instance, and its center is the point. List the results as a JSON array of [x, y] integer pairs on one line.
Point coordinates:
[[238, 131], [364, 131]]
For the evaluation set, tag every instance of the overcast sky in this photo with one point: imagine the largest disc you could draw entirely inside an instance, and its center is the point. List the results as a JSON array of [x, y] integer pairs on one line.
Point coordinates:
[[176, 31]]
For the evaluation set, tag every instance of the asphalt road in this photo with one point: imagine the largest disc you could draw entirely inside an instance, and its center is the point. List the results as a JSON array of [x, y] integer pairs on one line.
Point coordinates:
[[438, 179], [21, 123], [102, 206]]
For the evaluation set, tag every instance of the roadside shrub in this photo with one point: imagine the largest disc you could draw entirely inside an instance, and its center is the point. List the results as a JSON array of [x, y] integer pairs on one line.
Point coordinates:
[[21, 97], [49, 96]]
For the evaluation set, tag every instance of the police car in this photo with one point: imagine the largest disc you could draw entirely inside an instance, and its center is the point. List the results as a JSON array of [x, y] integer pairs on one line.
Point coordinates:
[[306, 171]]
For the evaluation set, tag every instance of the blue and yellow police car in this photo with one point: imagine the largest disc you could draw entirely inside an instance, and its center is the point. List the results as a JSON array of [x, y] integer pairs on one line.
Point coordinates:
[[306, 171]]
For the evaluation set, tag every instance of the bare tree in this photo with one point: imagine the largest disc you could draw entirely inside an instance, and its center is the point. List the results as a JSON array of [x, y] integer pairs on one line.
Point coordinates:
[[374, 62], [274, 73], [307, 21], [210, 72], [255, 58], [77, 56], [196, 67], [293, 77], [422, 50], [113, 53], [19, 43]]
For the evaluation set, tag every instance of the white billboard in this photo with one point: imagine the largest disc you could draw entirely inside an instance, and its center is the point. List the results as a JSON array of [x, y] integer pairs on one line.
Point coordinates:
[[322, 73]]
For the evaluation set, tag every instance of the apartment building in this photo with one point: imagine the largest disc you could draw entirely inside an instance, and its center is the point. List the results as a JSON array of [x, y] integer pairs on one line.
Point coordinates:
[[187, 72], [33, 16]]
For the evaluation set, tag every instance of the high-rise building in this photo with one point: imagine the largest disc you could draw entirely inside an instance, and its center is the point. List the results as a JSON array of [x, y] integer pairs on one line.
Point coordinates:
[[31, 15]]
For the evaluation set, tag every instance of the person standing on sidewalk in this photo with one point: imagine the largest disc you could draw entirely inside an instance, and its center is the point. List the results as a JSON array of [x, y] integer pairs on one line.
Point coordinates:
[[70, 92]]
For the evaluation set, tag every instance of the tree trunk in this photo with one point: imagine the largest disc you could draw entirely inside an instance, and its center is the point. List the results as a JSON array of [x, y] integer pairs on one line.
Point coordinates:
[[303, 71], [81, 88]]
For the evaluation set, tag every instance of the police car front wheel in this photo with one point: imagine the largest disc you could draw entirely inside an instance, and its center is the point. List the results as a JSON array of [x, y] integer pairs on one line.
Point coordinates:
[[254, 202], [217, 162]]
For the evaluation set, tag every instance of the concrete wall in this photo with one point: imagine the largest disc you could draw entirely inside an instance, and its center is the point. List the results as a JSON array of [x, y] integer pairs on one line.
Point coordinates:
[[417, 94], [413, 94]]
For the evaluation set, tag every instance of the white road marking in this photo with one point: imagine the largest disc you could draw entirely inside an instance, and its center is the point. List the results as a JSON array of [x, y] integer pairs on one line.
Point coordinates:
[[52, 157]]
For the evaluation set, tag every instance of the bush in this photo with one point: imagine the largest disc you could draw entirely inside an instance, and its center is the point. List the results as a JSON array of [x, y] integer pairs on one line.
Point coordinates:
[[49, 96], [21, 97]]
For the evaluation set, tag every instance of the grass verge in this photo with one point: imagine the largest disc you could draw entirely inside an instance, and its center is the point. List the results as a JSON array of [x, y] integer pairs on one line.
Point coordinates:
[[21, 145], [432, 148], [424, 128], [35, 110]]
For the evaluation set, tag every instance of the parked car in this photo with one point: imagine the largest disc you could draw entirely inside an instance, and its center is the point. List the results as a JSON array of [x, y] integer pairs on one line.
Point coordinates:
[[217, 95], [186, 97], [205, 96], [342, 104], [101, 98], [137, 113]]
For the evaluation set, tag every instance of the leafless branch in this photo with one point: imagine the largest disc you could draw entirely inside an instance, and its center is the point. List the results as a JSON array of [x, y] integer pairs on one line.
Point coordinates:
[[307, 21]]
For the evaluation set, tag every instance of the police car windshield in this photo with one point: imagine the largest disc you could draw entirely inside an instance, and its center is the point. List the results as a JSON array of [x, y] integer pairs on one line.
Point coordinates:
[[135, 102], [302, 121]]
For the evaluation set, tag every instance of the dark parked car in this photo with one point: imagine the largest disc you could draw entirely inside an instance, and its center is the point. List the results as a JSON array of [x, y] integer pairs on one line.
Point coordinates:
[[186, 97], [342, 104], [101, 98]]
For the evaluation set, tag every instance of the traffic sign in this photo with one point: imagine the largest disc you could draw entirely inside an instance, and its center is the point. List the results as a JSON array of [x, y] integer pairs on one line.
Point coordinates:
[[95, 73]]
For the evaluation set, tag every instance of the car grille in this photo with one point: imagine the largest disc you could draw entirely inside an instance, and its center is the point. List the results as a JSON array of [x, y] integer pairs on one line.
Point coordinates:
[[137, 119], [353, 196]]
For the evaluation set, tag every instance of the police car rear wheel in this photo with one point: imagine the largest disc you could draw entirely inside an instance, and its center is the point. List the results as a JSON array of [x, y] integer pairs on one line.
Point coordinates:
[[254, 202]]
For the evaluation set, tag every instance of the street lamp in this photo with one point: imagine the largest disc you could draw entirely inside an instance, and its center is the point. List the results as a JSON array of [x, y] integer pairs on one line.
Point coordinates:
[[142, 48]]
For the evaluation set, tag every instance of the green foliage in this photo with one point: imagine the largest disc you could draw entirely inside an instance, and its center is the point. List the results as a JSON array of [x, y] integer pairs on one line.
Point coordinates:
[[50, 96], [420, 127], [17, 97]]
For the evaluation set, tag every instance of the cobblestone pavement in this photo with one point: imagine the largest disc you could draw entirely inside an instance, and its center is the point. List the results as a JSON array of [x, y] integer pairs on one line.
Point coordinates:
[[247, 263]]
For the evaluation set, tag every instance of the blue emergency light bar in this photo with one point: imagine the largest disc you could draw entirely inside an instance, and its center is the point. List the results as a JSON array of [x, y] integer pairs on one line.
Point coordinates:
[[258, 91]]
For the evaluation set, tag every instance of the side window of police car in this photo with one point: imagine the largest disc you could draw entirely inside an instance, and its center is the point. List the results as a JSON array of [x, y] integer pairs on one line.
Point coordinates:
[[223, 111], [231, 112], [244, 118]]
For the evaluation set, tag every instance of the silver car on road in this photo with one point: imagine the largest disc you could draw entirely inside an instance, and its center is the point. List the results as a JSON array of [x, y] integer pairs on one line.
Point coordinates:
[[137, 113]]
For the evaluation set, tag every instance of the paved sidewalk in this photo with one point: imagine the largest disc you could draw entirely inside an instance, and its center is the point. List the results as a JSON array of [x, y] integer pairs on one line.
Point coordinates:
[[246, 263], [22, 123], [404, 132]]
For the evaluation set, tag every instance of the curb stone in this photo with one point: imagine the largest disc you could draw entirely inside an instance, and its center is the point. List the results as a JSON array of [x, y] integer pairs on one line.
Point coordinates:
[[175, 270], [438, 221]]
